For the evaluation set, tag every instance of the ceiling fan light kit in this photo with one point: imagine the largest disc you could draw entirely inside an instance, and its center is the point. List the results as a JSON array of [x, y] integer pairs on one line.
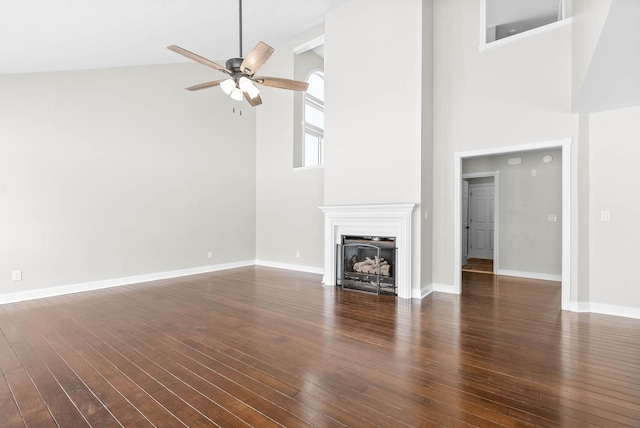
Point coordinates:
[[246, 85], [228, 85], [241, 71], [236, 94]]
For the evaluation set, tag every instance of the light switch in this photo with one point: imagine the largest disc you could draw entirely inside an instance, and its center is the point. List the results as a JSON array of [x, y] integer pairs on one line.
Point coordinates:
[[605, 215]]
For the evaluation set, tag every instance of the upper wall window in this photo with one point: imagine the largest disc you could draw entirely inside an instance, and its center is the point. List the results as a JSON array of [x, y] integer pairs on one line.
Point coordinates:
[[308, 116], [507, 18], [314, 119]]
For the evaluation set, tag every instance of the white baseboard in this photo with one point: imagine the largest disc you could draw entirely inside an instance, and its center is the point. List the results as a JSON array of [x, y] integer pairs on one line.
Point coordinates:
[[606, 309], [530, 275], [287, 266], [424, 291], [444, 288], [115, 282], [578, 306], [329, 281]]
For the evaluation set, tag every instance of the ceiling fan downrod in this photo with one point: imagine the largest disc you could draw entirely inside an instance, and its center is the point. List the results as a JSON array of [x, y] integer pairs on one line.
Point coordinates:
[[240, 26]]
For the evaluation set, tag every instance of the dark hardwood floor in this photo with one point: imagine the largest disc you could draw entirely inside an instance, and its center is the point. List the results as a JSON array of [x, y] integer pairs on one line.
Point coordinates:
[[266, 347], [478, 265]]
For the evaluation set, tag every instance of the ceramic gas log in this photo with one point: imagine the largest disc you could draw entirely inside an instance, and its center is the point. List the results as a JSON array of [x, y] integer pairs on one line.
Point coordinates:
[[373, 266]]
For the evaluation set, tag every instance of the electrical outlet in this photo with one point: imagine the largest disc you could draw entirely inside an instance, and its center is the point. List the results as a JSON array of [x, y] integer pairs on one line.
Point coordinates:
[[298, 254], [210, 255], [16, 275]]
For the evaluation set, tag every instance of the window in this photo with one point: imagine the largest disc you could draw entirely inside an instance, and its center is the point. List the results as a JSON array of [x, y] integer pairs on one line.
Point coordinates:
[[507, 18], [314, 119], [308, 106]]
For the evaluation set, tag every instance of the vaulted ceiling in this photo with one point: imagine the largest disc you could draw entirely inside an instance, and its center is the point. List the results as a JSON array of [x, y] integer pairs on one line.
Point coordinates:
[[42, 35]]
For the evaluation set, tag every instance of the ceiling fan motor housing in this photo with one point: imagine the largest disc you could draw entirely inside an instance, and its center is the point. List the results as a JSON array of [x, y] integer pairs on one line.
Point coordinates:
[[234, 65]]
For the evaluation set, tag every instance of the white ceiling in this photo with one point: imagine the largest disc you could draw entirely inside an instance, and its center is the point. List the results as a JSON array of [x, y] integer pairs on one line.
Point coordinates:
[[40, 35]]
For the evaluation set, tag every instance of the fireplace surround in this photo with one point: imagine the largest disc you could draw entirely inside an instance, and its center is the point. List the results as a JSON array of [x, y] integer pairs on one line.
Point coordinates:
[[388, 220]]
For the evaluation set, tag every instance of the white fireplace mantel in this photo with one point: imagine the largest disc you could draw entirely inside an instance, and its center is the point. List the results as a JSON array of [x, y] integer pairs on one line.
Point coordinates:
[[393, 220]]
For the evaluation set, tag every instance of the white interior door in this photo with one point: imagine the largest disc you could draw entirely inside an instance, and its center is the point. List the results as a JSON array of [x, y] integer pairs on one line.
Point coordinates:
[[465, 221], [481, 220]]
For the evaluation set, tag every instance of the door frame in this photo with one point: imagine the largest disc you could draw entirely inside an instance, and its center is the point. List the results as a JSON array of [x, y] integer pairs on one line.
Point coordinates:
[[567, 286], [496, 212], [464, 225]]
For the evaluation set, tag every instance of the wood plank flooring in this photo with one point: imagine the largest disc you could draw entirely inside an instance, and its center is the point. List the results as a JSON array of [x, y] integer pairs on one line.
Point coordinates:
[[478, 265], [265, 347]]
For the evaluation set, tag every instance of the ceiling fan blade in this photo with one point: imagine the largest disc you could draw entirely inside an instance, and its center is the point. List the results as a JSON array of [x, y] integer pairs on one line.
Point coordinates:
[[197, 58], [277, 82], [204, 85], [253, 101], [256, 58]]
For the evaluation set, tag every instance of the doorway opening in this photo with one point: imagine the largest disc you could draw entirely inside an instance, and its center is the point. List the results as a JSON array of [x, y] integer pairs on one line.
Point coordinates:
[[565, 219], [480, 221]]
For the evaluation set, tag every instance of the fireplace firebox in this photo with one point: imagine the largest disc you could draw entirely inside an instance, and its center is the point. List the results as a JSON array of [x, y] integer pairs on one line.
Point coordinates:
[[367, 263]]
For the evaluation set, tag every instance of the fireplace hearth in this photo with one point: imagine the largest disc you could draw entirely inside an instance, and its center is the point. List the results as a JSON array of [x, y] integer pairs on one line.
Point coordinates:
[[367, 263]]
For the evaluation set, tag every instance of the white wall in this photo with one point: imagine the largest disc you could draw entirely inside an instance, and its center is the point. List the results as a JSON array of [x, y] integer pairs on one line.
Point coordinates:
[[614, 155], [509, 95], [588, 19], [530, 245], [582, 213], [611, 80], [288, 218], [426, 203], [373, 103], [121, 172]]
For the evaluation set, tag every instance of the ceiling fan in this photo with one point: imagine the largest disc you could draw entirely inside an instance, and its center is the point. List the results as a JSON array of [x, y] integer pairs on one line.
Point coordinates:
[[241, 79]]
